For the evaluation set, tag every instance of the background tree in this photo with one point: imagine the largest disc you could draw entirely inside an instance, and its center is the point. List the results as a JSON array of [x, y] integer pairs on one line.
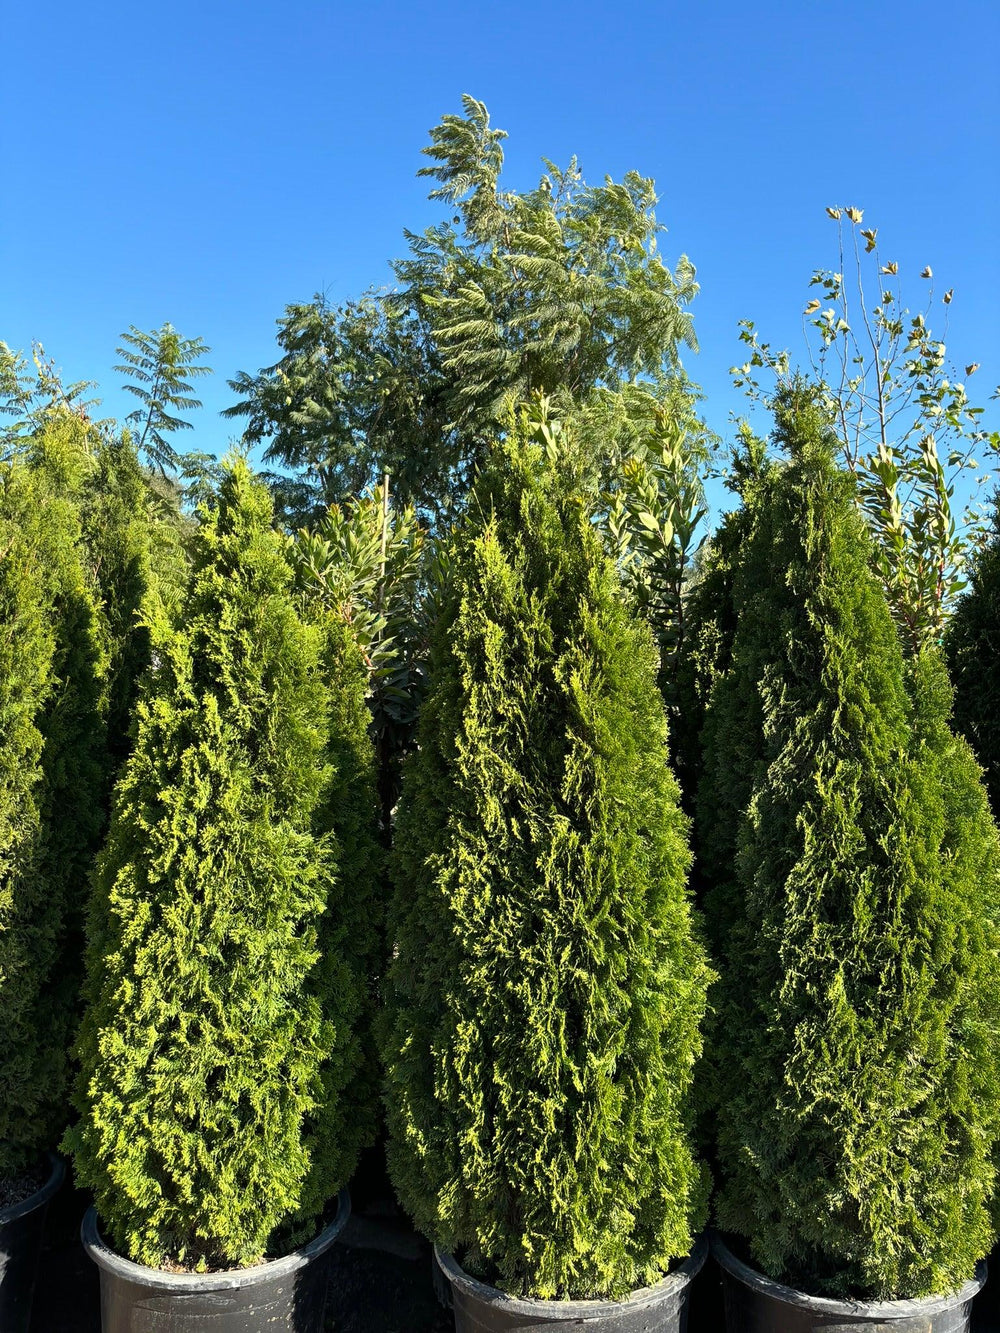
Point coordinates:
[[203, 1045], [547, 987], [158, 366], [855, 1047], [908, 431], [30, 398], [559, 290], [351, 934]]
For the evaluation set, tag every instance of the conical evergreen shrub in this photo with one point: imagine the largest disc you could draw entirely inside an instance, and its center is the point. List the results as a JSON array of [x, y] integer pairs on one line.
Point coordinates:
[[973, 648], [856, 1045], [203, 1047], [547, 985]]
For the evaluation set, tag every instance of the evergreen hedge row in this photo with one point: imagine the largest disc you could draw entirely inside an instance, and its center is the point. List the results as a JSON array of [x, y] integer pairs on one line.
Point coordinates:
[[544, 981], [547, 987]]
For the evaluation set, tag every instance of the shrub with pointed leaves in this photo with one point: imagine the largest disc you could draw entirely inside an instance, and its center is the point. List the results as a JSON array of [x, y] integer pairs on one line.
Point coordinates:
[[856, 1048], [203, 1046], [547, 988]]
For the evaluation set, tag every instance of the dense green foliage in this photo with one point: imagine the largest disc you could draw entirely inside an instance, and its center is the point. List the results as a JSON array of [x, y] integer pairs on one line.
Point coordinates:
[[351, 937], [856, 1046], [704, 649], [50, 809], [118, 533], [973, 648], [203, 1046], [559, 290], [365, 564], [547, 986]]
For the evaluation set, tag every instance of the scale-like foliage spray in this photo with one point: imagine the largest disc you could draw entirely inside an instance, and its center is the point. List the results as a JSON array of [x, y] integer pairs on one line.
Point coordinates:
[[856, 1045], [547, 986]]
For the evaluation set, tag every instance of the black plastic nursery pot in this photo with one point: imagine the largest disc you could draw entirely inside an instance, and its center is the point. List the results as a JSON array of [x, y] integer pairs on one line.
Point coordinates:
[[756, 1304], [987, 1305], [22, 1227], [285, 1294], [479, 1308]]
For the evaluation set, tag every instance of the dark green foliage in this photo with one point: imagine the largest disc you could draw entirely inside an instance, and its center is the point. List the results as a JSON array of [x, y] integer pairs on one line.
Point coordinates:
[[547, 988], [358, 390], [205, 1037], [857, 1038], [973, 647], [709, 626], [50, 813], [352, 929], [117, 524]]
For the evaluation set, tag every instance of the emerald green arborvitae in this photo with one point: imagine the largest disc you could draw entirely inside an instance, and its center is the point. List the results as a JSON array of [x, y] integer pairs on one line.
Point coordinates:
[[973, 647], [203, 1045], [857, 1042], [351, 930], [547, 986], [50, 741]]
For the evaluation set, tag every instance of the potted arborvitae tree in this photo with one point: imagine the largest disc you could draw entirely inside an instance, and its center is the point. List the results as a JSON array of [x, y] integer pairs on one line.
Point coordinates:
[[50, 741], [972, 644], [856, 1046], [210, 1036], [547, 984]]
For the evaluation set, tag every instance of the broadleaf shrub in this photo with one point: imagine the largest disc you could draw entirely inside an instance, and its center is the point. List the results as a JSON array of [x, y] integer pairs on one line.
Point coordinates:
[[547, 987], [856, 1043]]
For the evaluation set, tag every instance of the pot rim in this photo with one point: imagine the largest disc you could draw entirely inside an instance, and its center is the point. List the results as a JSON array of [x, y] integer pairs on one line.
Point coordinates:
[[641, 1298], [40, 1197], [901, 1309], [126, 1269]]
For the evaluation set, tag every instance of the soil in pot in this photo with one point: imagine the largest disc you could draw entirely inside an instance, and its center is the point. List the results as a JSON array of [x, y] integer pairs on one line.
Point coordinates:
[[664, 1308], [22, 1227], [287, 1293], [757, 1304]]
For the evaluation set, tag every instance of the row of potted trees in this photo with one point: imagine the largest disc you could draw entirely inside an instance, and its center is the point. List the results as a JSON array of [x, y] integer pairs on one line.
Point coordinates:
[[572, 1049]]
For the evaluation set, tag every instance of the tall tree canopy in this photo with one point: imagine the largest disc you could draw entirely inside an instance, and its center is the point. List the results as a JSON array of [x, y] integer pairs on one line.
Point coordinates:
[[559, 289]]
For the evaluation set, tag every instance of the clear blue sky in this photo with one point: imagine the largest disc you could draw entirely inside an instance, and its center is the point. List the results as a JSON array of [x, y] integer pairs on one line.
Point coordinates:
[[208, 163]]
